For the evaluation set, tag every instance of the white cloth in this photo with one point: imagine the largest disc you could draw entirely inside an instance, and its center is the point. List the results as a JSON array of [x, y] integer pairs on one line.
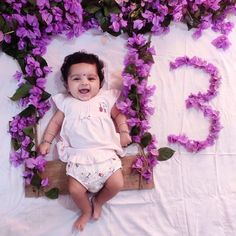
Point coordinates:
[[195, 194], [88, 134]]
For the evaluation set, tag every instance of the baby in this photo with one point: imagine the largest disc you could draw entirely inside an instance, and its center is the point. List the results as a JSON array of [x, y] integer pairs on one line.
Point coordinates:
[[88, 141]]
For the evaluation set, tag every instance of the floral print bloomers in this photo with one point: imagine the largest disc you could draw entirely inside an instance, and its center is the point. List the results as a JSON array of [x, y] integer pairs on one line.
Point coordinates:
[[93, 177]]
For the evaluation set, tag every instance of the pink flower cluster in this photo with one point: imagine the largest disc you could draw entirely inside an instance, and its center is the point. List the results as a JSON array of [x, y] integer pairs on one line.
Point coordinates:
[[30, 27], [136, 98], [155, 16], [199, 101]]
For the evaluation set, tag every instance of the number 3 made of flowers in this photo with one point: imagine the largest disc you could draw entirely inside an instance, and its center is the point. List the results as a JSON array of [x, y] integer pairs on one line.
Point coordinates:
[[198, 101]]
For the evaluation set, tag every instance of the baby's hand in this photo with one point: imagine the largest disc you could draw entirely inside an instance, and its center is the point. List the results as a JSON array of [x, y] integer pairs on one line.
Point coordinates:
[[44, 148], [125, 139]]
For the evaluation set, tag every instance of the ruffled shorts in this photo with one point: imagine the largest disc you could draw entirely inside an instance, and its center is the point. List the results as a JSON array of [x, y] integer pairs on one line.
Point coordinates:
[[93, 177]]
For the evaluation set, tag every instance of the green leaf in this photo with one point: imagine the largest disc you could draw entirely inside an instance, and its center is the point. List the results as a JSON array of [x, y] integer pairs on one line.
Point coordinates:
[[165, 153], [106, 11], [45, 95], [29, 131], [2, 22], [148, 58], [36, 181], [30, 146], [131, 68], [12, 48], [26, 10], [15, 144], [30, 110], [136, 105], [92, 9], [104, 23], [135, 130], [31, 80], [22, 63], [110, 6], [167, 20], [42, 61], [146, 138], [21, 92], [53, 193], [134, 97], [3, 7], [115, 9], [107, 2], [33, 153], [33, 2], [191, 21], [86, 3]]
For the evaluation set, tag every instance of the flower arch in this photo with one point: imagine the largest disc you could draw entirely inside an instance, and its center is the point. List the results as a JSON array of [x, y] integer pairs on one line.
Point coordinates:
[[28, 26]]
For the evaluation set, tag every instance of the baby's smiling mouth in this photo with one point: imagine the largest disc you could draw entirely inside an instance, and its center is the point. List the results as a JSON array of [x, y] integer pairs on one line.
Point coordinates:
[[84, 91]]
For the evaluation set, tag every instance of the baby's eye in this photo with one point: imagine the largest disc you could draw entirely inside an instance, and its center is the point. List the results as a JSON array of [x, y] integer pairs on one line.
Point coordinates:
[[91, 78], [76, 78]]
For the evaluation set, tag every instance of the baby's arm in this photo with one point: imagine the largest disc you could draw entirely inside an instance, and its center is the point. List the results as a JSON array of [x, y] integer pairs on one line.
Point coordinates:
[[51, 131], [121, 123]]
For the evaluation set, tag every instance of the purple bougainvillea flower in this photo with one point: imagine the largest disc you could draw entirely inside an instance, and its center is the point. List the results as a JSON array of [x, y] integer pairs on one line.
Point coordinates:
[[44, 182], [221, 42], [137, 40], [18, 75], [40, 82], [128, 80], [7, 38], [138, 24], [154, 152], [22, 32], [43, 107], [15, 159], [20, 19], [39, 163], [43, 3], [223, 27], [213, 4], [28, 175], [138, 164], [198, 102], [46, 17], [26, 141], [147, 174], [32, 20]]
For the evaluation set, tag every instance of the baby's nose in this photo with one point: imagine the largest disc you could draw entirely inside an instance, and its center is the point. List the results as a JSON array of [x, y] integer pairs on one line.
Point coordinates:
[[84, 80]]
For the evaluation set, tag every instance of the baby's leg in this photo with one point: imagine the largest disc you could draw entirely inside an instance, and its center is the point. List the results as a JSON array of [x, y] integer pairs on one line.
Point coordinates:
[[79, 194], [112, 186]]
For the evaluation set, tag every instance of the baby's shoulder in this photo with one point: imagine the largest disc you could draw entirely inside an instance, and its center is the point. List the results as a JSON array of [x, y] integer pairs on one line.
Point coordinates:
[[61, 100]]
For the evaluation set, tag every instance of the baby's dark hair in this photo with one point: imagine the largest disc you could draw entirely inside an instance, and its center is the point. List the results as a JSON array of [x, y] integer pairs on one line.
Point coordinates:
[[82, 57]]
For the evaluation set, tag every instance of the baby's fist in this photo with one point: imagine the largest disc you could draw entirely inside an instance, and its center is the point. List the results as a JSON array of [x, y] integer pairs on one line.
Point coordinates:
[[125, 139]]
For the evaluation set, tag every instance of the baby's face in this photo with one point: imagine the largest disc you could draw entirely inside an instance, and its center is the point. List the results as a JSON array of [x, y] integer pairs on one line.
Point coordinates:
[[83, 81]]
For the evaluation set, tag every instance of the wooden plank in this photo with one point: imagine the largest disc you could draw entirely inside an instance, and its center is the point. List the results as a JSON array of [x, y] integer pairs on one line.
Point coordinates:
[[55, 171]]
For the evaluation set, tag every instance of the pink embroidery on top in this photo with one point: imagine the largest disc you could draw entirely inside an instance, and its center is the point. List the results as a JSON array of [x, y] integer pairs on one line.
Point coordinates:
[[103, 107]]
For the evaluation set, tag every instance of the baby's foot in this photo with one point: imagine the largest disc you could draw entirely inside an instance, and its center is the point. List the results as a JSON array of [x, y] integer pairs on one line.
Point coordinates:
[[97, 209], [82, 221]]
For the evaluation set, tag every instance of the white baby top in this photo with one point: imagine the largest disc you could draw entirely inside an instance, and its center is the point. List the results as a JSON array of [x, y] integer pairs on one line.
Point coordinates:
[[88, 134]]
